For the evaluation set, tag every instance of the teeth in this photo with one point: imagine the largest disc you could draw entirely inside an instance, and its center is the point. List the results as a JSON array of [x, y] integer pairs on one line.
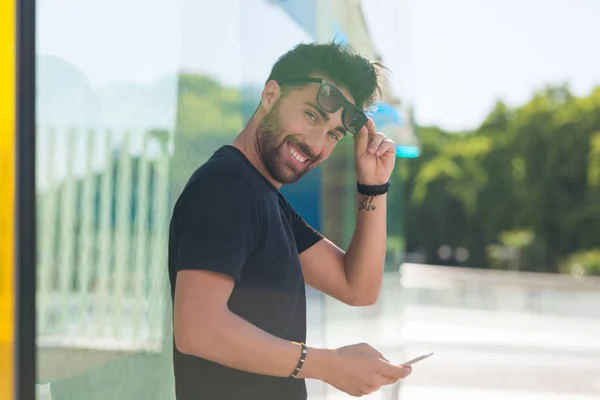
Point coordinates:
[[297, 155]]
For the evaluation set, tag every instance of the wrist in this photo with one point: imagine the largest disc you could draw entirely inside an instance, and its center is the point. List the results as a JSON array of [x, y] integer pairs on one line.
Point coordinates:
[[318, 363], [371, 182], [372, 190]]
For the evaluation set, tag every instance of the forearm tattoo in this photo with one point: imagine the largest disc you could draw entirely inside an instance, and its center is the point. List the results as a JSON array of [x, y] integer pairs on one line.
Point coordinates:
[[365, 203]]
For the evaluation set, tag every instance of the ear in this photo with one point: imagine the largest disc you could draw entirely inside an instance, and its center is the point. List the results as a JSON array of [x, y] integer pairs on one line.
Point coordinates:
[[270, 94]]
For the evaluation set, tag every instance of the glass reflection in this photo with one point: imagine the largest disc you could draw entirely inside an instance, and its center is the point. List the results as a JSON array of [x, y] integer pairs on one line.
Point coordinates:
[[127, 108]]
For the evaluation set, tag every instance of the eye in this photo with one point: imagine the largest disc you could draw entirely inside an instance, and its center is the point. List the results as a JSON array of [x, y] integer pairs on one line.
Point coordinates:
[[312, 116], [334, 135]]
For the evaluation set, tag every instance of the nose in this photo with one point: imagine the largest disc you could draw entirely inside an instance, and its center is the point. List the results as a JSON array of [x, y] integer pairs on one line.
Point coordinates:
[[316, 142], [319, 139]]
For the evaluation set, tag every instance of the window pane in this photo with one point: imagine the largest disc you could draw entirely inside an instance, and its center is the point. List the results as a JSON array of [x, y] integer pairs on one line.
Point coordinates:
[[131, 98], [106, 110]]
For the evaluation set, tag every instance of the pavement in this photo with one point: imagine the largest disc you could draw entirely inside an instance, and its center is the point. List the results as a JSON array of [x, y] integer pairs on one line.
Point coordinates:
[[479, 354]]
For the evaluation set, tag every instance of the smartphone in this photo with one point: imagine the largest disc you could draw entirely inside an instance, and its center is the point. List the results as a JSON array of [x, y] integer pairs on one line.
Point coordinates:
[[416, 360]]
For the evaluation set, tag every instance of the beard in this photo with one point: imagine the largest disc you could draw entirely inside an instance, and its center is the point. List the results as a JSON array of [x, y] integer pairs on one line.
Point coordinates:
[[272, 149]]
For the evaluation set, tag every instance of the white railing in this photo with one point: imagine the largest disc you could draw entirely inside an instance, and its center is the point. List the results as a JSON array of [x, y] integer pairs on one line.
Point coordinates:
[[505, 291], [103, 219]]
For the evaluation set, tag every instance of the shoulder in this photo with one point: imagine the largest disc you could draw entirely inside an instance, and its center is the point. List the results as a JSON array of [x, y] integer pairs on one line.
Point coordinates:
[[223, 206], [212, 182], [223, 188], [224, 172], [222, 192]]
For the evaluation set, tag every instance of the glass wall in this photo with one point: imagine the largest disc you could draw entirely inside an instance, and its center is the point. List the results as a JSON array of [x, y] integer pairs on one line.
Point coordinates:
[[131, 98], [107, 87]]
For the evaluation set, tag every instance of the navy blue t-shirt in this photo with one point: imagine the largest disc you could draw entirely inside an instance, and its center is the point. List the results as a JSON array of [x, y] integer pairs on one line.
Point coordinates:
[[230, 219]]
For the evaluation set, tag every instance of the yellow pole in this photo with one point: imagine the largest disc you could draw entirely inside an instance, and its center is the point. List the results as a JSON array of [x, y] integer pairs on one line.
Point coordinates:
[[7, 193]]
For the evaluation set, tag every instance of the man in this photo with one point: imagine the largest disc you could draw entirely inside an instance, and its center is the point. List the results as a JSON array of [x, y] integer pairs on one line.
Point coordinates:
[[239, 255]]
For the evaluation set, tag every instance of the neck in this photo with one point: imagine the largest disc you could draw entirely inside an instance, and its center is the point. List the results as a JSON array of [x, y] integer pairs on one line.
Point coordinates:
[[246, 143]]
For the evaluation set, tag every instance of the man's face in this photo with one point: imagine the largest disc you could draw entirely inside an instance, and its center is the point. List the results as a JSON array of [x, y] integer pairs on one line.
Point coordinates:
[[296, 135]]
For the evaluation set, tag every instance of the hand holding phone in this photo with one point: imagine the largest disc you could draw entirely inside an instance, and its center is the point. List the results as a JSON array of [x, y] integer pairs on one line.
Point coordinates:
[[416, 360]]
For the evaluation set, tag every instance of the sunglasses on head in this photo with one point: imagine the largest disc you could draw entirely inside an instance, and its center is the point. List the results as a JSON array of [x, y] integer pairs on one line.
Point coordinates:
[[331, 100]]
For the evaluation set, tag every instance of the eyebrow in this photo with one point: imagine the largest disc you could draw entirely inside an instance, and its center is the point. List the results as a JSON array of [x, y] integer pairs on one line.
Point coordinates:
[[325, 116]]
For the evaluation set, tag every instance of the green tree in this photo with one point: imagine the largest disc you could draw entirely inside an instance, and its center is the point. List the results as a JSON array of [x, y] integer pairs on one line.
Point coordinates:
[[534, 168]]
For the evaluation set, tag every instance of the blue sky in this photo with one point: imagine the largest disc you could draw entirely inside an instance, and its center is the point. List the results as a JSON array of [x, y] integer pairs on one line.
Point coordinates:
[[452, 59]]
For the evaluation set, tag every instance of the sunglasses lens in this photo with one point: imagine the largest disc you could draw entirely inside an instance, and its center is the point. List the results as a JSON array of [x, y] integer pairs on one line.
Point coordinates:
[[354, 119], [330, 98]]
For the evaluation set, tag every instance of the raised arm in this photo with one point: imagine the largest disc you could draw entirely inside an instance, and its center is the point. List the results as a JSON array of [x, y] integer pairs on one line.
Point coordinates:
[[354, 277]]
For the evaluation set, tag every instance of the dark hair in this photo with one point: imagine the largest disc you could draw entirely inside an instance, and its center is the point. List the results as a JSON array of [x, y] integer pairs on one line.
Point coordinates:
[[339, 63]]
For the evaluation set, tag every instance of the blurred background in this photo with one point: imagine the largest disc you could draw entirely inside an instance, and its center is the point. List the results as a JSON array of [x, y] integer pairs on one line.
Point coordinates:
[[494, 211]]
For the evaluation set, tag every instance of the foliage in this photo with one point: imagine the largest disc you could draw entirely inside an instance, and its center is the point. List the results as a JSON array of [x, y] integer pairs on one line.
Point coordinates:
[[586, 262], [530, 174], [521, 191]]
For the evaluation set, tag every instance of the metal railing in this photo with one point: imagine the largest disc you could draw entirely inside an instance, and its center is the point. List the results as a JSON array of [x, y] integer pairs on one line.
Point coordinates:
[[102, 240]]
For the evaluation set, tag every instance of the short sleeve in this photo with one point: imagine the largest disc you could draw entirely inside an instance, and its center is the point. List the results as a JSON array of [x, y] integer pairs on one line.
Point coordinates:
[[306, 236], [218, 224]]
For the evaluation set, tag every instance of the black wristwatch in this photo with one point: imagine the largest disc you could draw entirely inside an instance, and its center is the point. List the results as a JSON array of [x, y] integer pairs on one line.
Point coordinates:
[[373, 190]]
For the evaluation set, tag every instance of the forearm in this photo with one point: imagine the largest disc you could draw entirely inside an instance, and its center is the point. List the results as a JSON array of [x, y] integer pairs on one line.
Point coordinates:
[[365, 258], [233, 342]]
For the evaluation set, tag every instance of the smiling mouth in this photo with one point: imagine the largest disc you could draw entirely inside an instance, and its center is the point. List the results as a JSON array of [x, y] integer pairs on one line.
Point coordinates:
[[296, 154]]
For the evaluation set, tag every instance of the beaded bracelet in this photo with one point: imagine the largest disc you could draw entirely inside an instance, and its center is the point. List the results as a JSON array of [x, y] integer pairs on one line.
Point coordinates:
[[301, 361]]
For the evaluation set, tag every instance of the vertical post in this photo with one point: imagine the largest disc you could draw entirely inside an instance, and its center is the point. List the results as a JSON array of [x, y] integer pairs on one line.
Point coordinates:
[[7, 188], [25, 209]]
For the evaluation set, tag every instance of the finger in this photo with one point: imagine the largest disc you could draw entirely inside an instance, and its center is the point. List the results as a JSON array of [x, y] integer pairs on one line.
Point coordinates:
[[394, 371], [380, 356], [373, 353], [387, 146], [385, 380], [375, 142], [362, 137]]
